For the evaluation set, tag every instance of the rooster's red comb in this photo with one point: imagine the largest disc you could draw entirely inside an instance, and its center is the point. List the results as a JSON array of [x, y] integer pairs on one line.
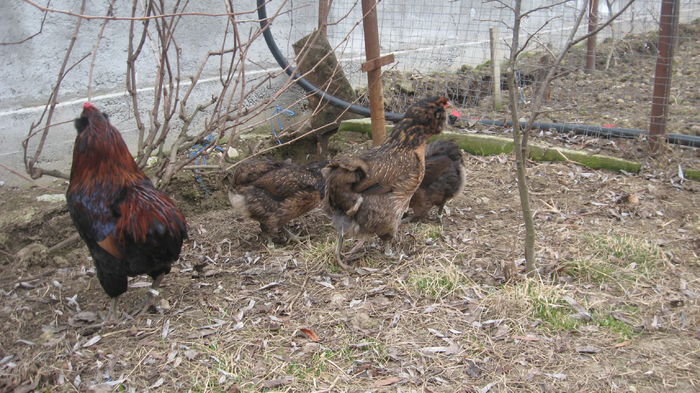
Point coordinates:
[[88, 105]]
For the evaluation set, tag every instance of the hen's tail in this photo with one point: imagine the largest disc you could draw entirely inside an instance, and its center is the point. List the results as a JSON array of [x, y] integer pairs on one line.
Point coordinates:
[[238, 204]]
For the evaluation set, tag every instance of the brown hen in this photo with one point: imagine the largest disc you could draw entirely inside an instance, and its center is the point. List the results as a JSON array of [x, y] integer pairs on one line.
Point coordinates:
[[368, 194], [274, 193], [445, 175]]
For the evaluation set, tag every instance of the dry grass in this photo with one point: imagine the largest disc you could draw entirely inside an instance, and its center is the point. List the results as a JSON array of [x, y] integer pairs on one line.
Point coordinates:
[[438, 317]]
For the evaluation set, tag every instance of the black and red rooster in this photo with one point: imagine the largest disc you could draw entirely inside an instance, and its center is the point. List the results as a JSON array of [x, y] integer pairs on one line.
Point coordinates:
[[129, 226]]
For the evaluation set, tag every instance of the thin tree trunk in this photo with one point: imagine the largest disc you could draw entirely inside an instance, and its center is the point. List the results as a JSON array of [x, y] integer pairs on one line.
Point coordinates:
[[520, 146]]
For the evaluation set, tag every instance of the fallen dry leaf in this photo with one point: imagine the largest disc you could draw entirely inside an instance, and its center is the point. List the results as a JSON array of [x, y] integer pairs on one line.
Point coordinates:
[[158, 383], [277, 382], [92, 341], [385, 382], [526, 338], [26, 388], [310, 334], [622, 344]]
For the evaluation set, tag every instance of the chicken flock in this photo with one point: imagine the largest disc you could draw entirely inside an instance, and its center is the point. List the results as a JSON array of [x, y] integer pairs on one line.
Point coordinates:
[[131, 228]]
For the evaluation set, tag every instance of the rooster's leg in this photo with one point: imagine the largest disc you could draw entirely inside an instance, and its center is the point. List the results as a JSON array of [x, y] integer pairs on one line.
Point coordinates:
[[113, 312], [109, 319], [150, 300]]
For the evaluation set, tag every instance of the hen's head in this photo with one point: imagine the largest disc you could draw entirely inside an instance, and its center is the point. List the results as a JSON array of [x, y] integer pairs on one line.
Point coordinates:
[[91, 117], [429, 112], [422, 120]]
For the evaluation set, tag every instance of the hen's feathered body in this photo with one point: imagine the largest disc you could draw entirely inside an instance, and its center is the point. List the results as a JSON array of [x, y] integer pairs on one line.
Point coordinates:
[[368, 194], [274, 192], [129, 226], [445, 176]]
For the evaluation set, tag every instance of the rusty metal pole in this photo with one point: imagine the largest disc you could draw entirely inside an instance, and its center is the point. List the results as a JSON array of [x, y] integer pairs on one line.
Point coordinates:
[[324, 7], [374, 73], [662, 78], [591, 41]]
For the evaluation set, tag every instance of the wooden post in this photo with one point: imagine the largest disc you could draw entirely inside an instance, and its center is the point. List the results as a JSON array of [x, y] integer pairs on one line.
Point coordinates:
[[374, 74], [496, 69], [662, 78], [591, 41], [324, 7]]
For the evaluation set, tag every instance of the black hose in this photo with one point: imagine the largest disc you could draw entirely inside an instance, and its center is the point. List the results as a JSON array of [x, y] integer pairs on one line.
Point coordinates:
[[582, 129], [306, 85], [604, 132]]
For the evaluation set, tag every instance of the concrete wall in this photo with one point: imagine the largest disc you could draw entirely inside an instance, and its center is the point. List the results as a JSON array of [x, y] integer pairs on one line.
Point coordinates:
[[30, 69], [425, 36]]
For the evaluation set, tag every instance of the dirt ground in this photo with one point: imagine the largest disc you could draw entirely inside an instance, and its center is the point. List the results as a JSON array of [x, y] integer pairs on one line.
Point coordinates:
[[614, 309]]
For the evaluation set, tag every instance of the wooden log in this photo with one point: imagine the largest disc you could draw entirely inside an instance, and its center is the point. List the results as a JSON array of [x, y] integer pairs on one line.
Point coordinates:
[[485, 145]]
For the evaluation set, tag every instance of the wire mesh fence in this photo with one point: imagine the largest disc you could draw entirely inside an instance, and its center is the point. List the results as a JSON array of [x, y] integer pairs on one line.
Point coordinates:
[[213, 72], [444, 48]]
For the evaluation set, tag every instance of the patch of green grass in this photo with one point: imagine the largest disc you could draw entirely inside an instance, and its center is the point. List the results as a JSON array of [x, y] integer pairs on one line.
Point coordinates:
[[377, 350], [437, 282], [333, 267], [319, 252], [317, 363], [591, 270], [222, 363], [615, 326], [626, 251], [608, 258], [550, 308], [425, 231], [307, 370]]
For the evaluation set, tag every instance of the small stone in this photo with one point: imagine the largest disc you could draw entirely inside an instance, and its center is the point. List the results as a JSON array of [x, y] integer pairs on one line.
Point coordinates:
[[33, 255], [588, 349], [53, 198]]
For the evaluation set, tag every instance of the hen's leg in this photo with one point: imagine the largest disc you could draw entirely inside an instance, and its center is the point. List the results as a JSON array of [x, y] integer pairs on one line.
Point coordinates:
[[387, 239], [266, 235], [339, 255], [360, 243], [294, 237]]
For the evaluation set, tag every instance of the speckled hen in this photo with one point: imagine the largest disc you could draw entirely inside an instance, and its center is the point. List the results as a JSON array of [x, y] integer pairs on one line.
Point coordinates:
[[274, 193], [445, 175], [369, 193]]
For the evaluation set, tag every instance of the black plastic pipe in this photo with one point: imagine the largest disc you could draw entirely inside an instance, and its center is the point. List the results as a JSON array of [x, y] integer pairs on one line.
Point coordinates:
[[604, 132], [581, 129], [306, 85]]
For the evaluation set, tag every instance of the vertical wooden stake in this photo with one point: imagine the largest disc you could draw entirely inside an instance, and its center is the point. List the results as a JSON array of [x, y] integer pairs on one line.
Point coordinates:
[[374, 75], [591, 41], [324, 7], [496, 69], [662, 78]]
